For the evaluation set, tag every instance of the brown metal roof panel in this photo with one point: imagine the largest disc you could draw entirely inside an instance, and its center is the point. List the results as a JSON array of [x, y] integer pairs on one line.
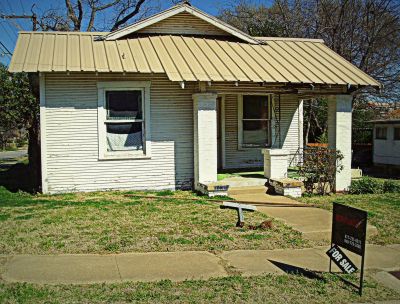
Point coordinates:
[[32, 56], [278, 65], [330, 67], [309, 62], [346, 72], [73, 53], [113, 57], [190, 59], [60, 53], [202, 59], [235, 52], [313, 60], [349, 66], [99, 56], [250, 56], [213, 59], [46, 54], [179, 61], [21, 48], [264, 64], [128, 64], [305, 73], [87, 56], [138, 56], [221, 52], [165, 60], [151, 56]]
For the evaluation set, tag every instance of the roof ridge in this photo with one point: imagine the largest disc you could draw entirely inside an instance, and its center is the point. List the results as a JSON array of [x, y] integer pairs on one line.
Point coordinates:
[[289, 39]]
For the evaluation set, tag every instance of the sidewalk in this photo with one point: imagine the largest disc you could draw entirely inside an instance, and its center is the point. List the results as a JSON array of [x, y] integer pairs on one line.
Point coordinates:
[[178, 266], [314, 223]]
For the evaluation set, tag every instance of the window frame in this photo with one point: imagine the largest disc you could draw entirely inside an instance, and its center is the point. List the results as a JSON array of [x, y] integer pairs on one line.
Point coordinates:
[[241, 146], [376, 133], [103, 87]]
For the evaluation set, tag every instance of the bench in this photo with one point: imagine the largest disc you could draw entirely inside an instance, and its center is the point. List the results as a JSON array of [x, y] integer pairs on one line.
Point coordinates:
[[239, 208]]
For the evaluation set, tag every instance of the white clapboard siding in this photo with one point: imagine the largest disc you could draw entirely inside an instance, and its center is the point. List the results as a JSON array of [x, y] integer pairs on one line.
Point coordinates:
[[72, 157], [72, 137], [291, 133], [183, 24]]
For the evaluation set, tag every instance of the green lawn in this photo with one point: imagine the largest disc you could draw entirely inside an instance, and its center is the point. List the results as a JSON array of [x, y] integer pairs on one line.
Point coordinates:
[[383, 212], [264, 289], [106, 222]]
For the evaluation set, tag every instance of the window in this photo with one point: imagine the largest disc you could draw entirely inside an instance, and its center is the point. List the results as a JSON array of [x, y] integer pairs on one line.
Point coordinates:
[[396, 135], [254, 121], [123, 112], [380, 132]]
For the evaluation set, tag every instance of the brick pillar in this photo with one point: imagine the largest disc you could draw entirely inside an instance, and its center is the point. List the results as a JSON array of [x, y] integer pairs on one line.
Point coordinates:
[[205, 138], [339, 135]]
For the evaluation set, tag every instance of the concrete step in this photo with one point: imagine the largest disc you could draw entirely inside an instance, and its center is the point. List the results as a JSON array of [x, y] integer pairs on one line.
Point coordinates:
[[247, 190]]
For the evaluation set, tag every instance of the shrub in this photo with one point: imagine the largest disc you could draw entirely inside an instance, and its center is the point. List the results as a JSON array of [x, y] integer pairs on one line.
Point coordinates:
[[318, 169], [366, 185], [391, 186]]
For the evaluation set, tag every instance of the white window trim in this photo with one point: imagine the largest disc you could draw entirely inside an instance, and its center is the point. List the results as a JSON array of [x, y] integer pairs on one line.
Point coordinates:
[[102, 87], [240, 120]]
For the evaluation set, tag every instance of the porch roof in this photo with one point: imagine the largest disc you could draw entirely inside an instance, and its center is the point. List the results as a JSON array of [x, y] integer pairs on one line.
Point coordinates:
[[182, 58]]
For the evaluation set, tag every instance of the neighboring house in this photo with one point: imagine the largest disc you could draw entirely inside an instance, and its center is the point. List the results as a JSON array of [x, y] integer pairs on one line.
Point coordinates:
[[166, 102], [386, 147]]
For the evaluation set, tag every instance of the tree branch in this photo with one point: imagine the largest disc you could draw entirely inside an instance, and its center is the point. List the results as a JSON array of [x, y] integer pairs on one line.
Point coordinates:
[[122, 21]]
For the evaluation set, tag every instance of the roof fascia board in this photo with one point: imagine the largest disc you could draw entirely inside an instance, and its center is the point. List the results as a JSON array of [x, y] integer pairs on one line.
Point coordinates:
[[174, 11]]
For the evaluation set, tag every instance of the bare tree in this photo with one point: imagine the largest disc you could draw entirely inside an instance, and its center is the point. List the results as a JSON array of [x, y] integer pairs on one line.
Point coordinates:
[[79, 13], [365, 32]]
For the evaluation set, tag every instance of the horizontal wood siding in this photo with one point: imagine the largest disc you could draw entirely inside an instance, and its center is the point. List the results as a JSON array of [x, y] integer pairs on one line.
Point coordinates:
[[183, 24], [291, 132], [72, 137]]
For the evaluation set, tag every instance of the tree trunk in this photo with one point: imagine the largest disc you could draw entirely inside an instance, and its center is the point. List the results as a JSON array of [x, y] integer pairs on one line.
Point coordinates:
[[34, 155]]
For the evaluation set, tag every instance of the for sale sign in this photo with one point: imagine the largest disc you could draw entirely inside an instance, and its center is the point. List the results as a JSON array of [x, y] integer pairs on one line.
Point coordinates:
[[349, 228], [341, 260]]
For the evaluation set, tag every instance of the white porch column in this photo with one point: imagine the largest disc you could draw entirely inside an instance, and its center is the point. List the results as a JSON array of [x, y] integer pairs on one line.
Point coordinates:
[[205, 138], [339, 135]]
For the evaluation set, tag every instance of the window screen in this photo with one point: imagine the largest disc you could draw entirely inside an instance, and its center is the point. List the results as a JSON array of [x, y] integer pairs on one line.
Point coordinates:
[[255, 121]]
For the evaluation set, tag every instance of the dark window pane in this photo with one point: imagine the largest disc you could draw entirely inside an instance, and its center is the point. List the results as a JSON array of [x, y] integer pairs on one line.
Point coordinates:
[[255, 107], [124, 104], [124, 136], [255, 133], [380, 133], [396, 134]]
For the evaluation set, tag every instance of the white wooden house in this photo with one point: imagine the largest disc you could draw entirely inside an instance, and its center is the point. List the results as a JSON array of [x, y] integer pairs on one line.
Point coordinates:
[[386, 143], [166, 102]]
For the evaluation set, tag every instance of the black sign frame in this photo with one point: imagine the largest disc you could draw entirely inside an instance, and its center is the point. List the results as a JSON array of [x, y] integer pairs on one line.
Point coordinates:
[[349, 230]]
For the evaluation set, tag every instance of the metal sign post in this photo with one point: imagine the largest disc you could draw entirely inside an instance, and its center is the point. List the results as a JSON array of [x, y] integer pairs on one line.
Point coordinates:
[[349, 230]]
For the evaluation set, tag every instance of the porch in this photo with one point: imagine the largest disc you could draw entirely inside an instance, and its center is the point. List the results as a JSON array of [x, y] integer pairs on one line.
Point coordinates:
[[263, 131]]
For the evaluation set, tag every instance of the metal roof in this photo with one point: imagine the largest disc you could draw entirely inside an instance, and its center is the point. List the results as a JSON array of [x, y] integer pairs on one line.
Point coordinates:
[[187, 58]]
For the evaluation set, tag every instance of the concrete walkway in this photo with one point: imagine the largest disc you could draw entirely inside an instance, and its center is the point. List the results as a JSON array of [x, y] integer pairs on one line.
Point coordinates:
[[314, 223], [177, 266]]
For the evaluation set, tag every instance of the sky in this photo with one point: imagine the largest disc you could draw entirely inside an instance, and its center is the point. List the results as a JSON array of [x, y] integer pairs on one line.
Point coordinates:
[[9, 28]]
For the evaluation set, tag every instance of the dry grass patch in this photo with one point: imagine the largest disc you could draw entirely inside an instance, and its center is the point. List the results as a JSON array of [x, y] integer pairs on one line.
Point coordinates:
[[113, 222], [277, 289], [383, 212]]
